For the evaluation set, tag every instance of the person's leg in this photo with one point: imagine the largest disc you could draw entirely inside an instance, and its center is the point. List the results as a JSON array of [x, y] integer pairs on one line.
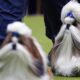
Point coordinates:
[[3, 28], [10, 11]]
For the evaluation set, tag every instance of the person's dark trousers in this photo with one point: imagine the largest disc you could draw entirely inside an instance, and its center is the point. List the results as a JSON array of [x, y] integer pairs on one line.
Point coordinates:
[[52, 12], [11, 11]]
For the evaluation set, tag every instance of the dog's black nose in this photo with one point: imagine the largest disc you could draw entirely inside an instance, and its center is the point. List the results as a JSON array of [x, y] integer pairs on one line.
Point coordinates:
[[14, 46], [15, 37]]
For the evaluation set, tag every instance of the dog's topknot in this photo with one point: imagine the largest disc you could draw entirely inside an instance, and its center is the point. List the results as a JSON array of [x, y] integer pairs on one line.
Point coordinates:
[[19, 27]]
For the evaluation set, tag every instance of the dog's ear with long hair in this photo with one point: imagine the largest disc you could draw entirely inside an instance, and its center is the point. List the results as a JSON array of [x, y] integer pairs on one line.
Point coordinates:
[[30, 45]]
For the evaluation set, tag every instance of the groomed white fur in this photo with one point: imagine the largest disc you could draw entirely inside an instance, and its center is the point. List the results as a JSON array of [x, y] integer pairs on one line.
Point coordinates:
[[45, 77], [66, 62], [62, 63], [75, 33], [72, 6], [61, 32], [69, 20], [19, 27]]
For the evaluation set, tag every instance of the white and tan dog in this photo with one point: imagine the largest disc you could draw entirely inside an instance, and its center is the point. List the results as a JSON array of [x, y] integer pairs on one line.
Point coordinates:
[[65, 57], [21, 56]]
